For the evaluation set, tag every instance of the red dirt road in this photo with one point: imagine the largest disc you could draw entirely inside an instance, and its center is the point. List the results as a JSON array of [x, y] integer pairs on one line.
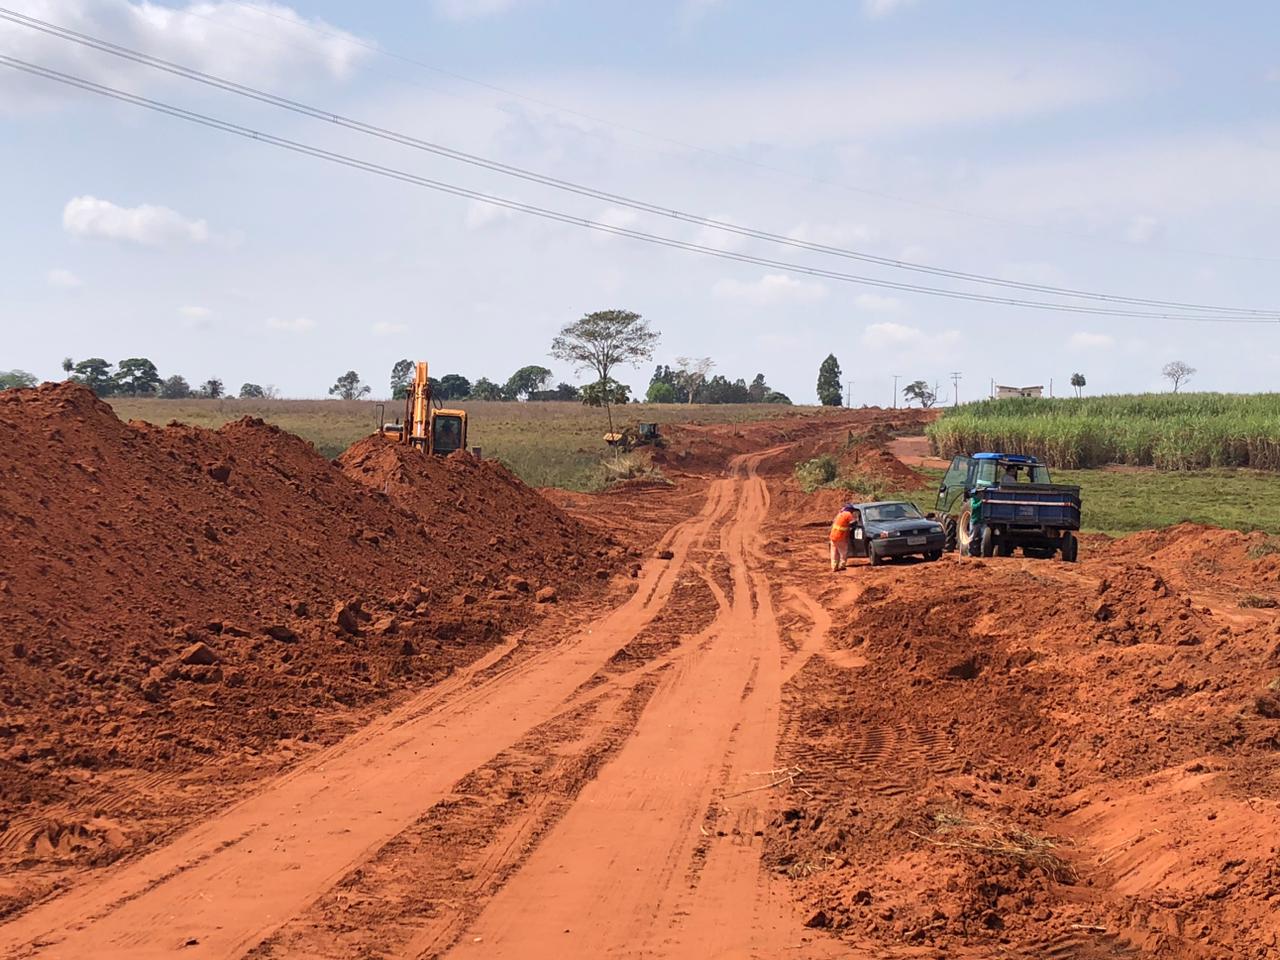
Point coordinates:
[[747, 756]]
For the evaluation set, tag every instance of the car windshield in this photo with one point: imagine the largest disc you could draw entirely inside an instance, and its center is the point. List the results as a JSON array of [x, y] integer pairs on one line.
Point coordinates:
[[890, 511]]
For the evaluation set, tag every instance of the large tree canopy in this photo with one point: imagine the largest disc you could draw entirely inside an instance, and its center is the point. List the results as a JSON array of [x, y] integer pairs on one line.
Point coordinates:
[[603, 340]]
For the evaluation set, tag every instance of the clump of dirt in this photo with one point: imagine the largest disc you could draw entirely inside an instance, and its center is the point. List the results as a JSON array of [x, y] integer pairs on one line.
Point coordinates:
[[173, 596]]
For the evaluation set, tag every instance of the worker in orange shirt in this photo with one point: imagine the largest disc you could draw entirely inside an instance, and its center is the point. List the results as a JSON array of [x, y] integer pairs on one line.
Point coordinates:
[[844, 522]]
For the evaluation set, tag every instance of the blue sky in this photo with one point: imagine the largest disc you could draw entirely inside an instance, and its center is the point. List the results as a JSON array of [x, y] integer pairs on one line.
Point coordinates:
[[1128, 149]]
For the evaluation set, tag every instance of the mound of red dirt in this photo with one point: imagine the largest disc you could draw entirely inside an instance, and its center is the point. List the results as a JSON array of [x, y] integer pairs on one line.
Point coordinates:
[[1024, 747], [174, 594]]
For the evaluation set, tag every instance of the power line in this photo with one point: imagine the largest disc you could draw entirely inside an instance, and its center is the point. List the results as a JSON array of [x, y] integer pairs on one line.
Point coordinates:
[[582, 190], [558, 216], [707, 151]]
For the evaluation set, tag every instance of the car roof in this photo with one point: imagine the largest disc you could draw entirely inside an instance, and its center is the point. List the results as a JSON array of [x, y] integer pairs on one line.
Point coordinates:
[[885, 503], [1011, 457]]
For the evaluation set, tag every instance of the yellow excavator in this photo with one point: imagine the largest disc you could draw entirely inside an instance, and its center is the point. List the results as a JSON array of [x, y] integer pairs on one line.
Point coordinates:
[[426, 425]]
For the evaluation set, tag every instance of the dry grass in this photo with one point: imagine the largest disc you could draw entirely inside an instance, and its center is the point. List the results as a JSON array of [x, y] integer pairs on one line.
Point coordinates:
[[956, 831], [546, 444]]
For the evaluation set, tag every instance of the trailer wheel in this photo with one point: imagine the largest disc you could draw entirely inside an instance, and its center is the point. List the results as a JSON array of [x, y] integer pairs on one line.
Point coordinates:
[[1070, 547], [949, 534]]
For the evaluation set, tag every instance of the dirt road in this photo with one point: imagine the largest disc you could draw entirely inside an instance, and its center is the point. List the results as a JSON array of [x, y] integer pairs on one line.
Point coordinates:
[[618, 873]]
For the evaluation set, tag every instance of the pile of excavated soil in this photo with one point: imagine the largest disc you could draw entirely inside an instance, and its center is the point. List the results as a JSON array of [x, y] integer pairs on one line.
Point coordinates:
[[1040, 759], [171, 596]]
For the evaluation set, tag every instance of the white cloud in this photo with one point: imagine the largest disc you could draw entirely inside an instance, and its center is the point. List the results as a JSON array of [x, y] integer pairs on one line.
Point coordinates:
[[875, 9], [1143, 229], [146, 224], [833, 234], [899, 336], [770, 289], [61, 277], [481, 214], [862, 102], [384, 328], [296, 325], [256, 42], [877, 303], [195, 313], [472, 9], [1085, 340]]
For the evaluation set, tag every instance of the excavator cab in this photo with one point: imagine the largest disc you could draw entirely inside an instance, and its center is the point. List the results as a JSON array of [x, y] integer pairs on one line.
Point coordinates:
[[426, 427], [448, 431]]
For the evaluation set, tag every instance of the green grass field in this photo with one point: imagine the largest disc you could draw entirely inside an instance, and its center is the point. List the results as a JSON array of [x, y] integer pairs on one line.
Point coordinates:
[[546, 444], [1190, 431]]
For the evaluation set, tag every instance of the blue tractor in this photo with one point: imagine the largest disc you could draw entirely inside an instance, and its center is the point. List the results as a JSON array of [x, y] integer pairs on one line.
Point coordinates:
[[1021, 507]]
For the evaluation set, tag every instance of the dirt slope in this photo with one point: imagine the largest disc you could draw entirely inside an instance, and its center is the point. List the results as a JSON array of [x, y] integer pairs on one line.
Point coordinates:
[[174, 595]]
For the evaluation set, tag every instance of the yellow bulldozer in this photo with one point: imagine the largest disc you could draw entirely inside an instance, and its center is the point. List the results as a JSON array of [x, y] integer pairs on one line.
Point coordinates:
[[636, 435], [426, 425]]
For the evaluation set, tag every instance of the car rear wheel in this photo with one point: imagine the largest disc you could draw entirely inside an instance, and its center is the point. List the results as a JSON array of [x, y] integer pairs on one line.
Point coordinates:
[[933, 555]]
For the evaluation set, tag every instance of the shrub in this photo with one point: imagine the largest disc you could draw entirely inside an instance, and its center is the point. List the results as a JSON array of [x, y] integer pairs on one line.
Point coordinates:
[[812, 474]]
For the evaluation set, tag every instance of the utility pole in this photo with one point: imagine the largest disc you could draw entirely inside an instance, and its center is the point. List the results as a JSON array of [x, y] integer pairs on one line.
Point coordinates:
[[896, 377], [1051, 388], [993, 388], [848, 393], [956, 375]]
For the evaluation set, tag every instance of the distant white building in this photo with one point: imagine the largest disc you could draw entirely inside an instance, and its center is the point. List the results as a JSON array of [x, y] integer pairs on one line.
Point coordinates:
[[1005, 393]]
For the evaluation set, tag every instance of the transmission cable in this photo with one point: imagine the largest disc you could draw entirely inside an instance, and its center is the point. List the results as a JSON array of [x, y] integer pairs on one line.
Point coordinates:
[[568, 186], [561, 217]]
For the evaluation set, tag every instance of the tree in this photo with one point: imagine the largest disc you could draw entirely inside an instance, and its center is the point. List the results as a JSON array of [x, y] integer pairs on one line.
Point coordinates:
[[525, 381], [486, 389], [349, 387], [95, 373], [454, 386], [68, 365], [563, 391], [137, 375], [601, 341], [720, 390], [660, 392], [919, 390], [1077, 381], [211, 389], [758, 389], [175, 388], [593, 395], [251, 391], [692, 374], [401, 374], [773, 396], [1177, 373], [15, 379], [829, 392]]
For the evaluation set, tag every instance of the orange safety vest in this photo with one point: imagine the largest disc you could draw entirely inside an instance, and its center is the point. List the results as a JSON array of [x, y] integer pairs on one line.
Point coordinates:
[[840, 528]]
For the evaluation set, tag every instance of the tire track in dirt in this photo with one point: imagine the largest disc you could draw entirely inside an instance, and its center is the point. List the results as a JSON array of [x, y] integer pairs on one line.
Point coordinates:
[[223, 886], [629, 870]]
